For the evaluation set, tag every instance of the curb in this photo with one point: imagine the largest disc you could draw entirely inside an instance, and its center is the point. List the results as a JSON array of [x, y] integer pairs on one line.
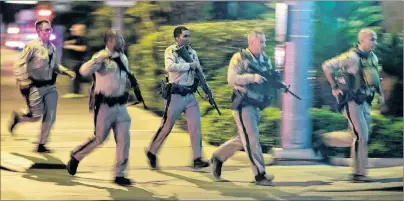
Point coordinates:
[[372, 162]]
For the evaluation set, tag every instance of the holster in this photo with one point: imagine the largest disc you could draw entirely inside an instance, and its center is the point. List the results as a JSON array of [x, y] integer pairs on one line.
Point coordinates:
[[236, 100], [359, 97], [165, 89]]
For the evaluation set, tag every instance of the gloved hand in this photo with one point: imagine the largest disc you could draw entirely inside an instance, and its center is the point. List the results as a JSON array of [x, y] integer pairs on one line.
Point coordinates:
[[102, 56]]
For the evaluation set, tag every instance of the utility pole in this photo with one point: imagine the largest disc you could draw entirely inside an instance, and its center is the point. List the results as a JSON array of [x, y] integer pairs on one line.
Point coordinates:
[[120, 6], [296, 120], [117, 23]]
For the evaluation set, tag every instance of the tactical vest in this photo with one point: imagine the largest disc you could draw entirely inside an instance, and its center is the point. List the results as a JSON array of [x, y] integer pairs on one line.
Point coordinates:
[[263, 90], [367, 76], [361, 86]]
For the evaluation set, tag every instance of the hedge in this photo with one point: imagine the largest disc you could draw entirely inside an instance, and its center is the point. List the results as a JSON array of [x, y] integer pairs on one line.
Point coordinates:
[[215, 43]]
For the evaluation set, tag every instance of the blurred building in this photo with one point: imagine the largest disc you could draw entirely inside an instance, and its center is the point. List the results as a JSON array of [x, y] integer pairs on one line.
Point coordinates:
[[23, 29]]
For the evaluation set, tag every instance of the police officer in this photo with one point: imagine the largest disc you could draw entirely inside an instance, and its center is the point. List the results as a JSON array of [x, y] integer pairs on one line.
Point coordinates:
[[36, 72], [110, 111], [354, 79], [247, 111], [181, 99]]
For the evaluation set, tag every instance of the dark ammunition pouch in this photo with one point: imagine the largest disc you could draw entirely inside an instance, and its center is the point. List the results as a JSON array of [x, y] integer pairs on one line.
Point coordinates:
[[359, 97], [165, 89], [240, 100]]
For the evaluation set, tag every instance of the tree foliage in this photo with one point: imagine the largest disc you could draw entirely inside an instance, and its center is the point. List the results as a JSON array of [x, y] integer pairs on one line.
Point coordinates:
[[335, 31]]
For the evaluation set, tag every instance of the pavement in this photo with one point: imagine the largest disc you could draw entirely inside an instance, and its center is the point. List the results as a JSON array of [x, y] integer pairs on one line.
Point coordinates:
[[46, 179]]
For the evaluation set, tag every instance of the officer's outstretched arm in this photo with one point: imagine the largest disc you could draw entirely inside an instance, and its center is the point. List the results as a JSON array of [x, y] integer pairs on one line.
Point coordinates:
[[234, 76], [62, 70]]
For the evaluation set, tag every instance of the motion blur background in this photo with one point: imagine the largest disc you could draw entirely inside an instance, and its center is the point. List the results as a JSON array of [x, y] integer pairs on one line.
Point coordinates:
[[218, 30]]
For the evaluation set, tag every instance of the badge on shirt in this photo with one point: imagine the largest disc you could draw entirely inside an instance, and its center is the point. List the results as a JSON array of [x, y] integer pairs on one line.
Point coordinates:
[[341, 80]]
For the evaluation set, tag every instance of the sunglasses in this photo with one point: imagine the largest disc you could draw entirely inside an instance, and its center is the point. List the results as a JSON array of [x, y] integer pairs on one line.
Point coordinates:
[[48, 30]]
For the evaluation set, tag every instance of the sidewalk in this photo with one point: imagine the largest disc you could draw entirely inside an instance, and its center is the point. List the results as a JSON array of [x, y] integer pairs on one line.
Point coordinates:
[[93, 180], [175, 181]]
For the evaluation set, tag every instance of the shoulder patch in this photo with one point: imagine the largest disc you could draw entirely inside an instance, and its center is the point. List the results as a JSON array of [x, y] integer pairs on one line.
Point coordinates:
[[27, 48]]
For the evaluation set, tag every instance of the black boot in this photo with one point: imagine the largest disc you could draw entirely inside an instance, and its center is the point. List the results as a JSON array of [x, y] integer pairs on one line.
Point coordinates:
[[360, 179], [152, 160], [72, 165], [43, 149], [216, 167], [122, 181], [14, 121], [199, 163]]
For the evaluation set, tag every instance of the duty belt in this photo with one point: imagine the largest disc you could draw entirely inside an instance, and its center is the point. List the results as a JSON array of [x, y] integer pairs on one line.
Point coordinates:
[[111, 101], [182, 90], [42, 83]]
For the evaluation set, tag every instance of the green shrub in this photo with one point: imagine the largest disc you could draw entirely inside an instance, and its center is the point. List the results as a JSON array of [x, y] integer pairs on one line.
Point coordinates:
[[215, 43]]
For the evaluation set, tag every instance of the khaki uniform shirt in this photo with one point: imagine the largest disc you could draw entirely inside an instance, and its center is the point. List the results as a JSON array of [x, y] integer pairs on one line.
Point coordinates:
[[178, 69], [38, 62], [350, 62], [110, 80]]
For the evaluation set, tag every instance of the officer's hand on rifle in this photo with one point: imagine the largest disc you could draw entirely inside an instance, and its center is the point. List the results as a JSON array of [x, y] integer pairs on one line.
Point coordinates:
[[259, 79], [102, 56], [337, 91], [193, 65]]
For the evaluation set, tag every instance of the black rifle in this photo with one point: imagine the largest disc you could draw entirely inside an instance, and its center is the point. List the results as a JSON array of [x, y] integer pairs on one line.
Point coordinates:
[[133, 82], [183, 52], [273, 78]]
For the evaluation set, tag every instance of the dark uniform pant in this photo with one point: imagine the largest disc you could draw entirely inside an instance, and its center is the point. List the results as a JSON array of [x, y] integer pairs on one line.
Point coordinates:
[[247, 120]]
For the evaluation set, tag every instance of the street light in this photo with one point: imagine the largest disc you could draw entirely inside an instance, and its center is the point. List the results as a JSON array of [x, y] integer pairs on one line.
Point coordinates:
[[22, 2], [44, 12], [279, 56]]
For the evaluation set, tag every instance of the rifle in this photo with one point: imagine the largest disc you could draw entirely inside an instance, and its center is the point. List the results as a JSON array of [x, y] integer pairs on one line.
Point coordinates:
[[182, 52], [133, 83], [273, 78]]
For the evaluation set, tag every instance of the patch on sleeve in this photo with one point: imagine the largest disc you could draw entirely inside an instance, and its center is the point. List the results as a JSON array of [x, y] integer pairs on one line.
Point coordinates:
[[27, 48]]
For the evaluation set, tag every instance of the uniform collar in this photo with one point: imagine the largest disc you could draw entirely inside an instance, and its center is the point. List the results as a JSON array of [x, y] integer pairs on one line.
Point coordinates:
[[112, 54], [252, 55], [43, 44], [362, 53], [188, 47]]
